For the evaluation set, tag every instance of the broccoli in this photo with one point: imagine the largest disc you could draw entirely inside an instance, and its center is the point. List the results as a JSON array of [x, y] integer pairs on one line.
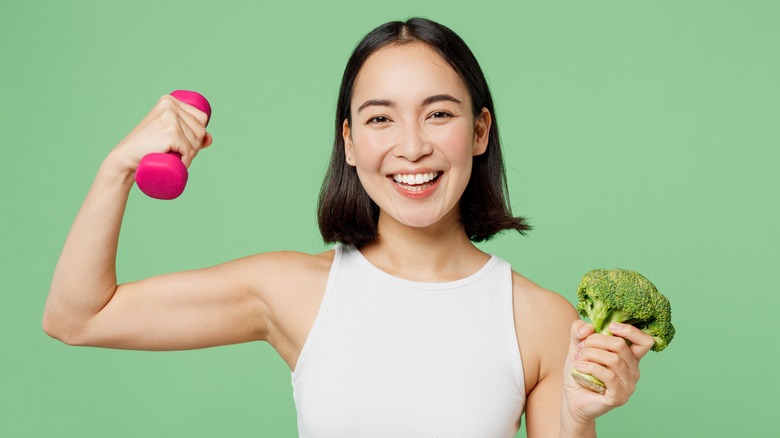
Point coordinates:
[[619, 295]]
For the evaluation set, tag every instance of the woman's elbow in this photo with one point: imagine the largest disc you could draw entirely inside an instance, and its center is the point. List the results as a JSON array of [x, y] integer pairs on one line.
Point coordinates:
[[56, 328]]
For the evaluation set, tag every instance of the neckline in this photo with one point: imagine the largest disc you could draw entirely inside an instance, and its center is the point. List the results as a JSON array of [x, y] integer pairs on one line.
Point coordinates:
[[454, 284]]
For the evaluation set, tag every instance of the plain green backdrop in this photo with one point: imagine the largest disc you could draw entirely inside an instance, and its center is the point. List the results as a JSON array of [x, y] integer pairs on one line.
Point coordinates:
[[637, 134]]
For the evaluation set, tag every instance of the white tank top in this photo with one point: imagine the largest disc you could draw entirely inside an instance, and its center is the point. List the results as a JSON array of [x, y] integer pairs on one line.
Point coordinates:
[[388, 357]]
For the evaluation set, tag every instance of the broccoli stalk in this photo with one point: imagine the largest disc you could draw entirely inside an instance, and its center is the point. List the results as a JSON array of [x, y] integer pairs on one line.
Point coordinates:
[[619, 295]]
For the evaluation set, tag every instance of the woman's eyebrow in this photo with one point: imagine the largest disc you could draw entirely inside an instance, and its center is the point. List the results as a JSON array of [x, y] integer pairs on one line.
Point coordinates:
[[375, 102], [427, 101], [439, 98]]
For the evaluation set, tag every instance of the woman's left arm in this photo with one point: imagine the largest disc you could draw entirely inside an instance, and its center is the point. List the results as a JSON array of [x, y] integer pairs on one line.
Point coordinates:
[[553, 342]]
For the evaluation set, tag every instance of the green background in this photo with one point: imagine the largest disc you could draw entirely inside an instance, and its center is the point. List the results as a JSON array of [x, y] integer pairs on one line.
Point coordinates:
[[637, 134]]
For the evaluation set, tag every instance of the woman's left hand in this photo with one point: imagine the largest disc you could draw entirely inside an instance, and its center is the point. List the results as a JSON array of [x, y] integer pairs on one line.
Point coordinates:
[[608, 358]]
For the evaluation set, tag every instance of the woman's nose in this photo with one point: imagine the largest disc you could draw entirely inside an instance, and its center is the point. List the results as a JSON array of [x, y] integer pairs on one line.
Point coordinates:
[[413, 145]]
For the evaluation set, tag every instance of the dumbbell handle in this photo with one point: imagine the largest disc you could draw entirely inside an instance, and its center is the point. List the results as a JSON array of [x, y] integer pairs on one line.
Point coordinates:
[[163, 175]]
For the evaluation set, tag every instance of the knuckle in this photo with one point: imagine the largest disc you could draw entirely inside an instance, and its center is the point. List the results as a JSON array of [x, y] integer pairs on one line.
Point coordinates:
[[202, 118], [583, 365], [609, 376], [169, 120], [617, 342], [614, 402], [166, 102], [612, 360], [200, 132]]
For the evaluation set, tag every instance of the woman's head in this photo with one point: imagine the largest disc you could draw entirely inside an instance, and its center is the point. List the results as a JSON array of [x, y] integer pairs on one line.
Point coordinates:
[[346, 213]]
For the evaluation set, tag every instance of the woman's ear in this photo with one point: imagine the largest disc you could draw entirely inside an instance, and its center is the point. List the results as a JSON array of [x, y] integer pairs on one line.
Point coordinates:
[[482, 131], [346, 134]]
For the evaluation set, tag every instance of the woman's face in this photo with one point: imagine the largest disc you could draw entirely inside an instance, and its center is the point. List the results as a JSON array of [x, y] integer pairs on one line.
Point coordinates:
[[413, 134]]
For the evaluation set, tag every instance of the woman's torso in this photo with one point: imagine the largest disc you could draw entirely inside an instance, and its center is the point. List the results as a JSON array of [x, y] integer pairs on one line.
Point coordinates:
[[391, 356]]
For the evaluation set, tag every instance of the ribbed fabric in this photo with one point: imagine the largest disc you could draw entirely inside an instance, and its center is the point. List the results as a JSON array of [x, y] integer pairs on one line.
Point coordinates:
[[388, 357]]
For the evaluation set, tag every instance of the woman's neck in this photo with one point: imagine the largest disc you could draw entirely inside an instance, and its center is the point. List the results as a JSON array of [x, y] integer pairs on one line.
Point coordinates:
[[437, 253]]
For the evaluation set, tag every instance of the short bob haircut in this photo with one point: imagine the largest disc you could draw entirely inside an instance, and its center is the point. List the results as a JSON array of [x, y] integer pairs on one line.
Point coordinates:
[[348, 215]]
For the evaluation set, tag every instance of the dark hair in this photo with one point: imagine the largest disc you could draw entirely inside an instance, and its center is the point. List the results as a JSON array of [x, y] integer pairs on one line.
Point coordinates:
[[347, 214]]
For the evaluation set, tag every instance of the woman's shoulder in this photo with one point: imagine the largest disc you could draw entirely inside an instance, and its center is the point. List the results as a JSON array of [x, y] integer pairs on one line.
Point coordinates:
[[543, 321], [533, 298], [290, 286], [281, 273]]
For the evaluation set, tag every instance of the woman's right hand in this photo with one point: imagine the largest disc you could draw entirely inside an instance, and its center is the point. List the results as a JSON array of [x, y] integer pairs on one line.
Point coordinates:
[[171, 126]]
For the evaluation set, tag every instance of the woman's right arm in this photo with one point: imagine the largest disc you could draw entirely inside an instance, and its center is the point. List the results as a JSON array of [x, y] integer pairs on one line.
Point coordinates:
[[190, 309]]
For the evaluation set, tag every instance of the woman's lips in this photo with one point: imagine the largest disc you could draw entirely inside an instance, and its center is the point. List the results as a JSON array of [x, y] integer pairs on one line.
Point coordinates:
[[416, 185]]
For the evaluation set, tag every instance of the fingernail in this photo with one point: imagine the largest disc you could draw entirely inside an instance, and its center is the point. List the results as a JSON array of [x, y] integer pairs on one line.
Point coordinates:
[[615, 327]]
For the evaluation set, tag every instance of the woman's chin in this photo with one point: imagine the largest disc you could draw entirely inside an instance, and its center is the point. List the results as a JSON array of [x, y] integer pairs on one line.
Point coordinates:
[[423, 220], [419, 223]]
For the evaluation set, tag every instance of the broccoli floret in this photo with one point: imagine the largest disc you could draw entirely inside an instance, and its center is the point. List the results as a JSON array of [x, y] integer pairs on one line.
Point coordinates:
[[619, 295]]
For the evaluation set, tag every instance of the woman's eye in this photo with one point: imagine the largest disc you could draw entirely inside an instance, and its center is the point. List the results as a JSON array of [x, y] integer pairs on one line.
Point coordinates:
[[377, 119], [440, 115]]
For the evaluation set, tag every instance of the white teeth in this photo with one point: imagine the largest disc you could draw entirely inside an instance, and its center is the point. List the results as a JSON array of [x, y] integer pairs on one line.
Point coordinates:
[[413, 179]]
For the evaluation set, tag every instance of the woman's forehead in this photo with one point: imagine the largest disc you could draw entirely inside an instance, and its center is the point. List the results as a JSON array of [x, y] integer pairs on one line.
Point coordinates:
[[412, 71]]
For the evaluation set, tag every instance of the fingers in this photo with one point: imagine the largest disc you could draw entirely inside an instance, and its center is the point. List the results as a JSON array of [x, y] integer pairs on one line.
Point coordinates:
[[171, 126], [183, 128], [614, 360], [639, 341], [609, 359], [201, 117], [207, 141], [580, 330], [194, 114]]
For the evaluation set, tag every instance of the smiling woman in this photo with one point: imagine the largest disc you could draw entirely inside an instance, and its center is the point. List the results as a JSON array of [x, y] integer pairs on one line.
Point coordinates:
[[405, 328], [484, 204], [417, 127]]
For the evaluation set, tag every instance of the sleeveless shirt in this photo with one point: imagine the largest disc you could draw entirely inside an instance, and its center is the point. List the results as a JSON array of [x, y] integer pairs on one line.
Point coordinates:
[[389, 357]]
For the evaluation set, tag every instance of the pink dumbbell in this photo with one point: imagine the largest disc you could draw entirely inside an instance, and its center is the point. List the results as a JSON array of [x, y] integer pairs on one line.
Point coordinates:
[[164, 176]]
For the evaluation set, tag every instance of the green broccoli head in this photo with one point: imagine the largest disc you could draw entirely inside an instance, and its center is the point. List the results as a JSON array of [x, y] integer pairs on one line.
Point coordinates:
[[620, 295]]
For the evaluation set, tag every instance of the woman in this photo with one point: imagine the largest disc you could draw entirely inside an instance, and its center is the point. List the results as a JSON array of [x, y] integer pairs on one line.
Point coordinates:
[[405, 328]]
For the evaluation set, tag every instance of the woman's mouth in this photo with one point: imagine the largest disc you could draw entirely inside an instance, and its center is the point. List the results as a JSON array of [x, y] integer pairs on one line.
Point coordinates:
[[416, 182]]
